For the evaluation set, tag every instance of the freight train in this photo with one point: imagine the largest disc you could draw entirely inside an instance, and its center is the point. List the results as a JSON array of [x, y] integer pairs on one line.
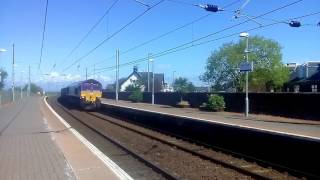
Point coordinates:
[[86, 94]]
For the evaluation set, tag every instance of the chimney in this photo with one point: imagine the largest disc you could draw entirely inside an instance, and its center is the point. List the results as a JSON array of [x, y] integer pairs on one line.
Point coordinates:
[[135, 68]]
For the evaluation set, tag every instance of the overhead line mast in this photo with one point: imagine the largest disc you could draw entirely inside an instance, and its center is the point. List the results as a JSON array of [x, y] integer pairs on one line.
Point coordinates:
[[12, 88]]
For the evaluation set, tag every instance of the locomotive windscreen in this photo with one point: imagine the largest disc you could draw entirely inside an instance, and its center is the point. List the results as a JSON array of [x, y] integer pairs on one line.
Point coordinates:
[[91, 87]]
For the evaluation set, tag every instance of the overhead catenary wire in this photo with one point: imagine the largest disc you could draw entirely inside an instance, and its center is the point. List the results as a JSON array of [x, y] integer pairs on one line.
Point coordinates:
[[236, 34], [166, 33], [290, 23], [166, 52], [157, 37], [111, 36], [236, 25], [231, 4], [142, 3], [181, 2], [90, 31], [191, 4], [230, 27], [43, 33]]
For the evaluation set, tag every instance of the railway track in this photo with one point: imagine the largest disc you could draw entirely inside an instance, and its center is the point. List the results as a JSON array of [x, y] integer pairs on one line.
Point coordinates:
[[233, 167], [136, 168]]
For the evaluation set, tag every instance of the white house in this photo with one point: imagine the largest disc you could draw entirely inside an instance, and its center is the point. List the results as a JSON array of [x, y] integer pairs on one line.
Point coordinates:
[[159, 84]]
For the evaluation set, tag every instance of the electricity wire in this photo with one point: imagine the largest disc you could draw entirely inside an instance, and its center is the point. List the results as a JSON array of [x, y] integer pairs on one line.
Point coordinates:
[[43, 33], [230, 27], [114, 34], [173, 50], [166, 33], [90, 31]]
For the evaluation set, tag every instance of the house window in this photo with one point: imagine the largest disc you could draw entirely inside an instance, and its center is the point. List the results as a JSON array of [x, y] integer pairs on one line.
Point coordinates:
[[314, 88], [296, 88]]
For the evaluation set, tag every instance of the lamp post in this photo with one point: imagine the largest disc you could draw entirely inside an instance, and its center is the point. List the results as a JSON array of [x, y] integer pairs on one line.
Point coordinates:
[[173, 72], [152, 65], [13, 94], [48, 82], [1, 50], [149, 56], [117, 75], [62, 83], [29, 83], [246, 35], [21, 81]]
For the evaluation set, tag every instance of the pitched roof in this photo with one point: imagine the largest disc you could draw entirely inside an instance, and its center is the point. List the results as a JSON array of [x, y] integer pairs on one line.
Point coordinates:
[[122, 80], [143, 76], [315, 77], [157, 77], [158, 80]]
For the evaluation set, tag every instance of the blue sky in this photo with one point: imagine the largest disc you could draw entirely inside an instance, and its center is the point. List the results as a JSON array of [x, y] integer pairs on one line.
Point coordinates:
[[21, 22]]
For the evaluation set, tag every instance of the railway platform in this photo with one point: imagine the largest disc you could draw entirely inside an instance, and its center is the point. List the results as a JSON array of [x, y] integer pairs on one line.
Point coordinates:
[[36, 144], [274, 124]]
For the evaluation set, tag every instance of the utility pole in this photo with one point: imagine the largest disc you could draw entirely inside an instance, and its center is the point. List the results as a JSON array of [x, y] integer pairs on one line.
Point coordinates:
[[94, 71], [0, 90], [13, 73], [29, 85], [173, 78], [117, 75], [152, 61], [21, 95], [149, 72], [86, 73], [1, 50], [247, 77], [246, 35]]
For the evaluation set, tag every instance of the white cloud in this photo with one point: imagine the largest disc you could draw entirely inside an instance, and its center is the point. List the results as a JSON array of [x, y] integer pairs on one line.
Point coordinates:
[[105, 78], [102, 78], [57, 77], [71, 77]]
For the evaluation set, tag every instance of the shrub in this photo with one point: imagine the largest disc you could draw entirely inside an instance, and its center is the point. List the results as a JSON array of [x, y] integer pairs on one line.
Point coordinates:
[[136, 96], [183, 104], [216, 103]]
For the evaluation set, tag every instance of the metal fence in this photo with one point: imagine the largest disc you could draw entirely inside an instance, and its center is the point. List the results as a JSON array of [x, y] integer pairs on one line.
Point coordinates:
[[6, 95], [296, 105]]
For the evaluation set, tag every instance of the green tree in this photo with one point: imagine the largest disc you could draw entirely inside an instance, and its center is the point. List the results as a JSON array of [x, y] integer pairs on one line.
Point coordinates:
[[3, 75], [33, 88], [136, 85], [269, 72], [135, 89], [136, 95], [182, 85]]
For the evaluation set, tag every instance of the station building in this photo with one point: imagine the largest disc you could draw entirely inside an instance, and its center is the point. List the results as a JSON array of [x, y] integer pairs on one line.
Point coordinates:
[[304, 77]]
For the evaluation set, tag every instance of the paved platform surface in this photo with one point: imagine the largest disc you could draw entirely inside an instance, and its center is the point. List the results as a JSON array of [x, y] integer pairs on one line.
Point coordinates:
[[26, 151], [297, 127], [34, 144]]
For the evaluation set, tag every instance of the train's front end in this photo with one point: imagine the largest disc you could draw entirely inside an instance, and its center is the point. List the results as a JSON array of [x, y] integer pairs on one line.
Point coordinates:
[[91, 92]]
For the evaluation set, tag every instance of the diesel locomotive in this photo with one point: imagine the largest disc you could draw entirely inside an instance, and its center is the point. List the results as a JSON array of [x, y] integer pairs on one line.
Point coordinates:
[[86, 94]]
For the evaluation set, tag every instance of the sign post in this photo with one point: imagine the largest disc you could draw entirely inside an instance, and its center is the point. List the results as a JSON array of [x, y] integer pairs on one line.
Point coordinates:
[[246, 66]]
